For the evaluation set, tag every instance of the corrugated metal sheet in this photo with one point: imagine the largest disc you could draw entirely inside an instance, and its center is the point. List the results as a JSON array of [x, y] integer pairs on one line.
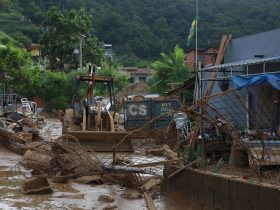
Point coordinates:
[[244, 63]]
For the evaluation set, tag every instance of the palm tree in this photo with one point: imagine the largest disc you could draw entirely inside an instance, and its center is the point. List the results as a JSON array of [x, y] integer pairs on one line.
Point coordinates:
[[170, 69]]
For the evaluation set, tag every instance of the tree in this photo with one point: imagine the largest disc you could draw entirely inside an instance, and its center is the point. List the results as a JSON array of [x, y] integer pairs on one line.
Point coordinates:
[[62, 37], [15, 67], [170, 69], [121, 78]]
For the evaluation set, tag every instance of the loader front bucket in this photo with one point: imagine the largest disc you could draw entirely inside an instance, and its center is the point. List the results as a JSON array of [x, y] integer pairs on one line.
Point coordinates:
[[103, 141]]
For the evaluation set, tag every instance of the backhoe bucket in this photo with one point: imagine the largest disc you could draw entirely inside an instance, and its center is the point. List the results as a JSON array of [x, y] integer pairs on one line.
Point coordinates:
[[103, 141]]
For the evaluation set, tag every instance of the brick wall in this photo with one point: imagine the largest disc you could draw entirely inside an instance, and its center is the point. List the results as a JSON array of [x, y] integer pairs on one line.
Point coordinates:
[[209, 191]]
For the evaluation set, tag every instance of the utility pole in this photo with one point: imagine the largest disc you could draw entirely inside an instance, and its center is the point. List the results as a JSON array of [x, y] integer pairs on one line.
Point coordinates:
[[81, 50]]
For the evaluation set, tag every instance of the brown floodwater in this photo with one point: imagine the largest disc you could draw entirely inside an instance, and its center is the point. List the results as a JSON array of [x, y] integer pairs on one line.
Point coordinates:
[[69, 195]]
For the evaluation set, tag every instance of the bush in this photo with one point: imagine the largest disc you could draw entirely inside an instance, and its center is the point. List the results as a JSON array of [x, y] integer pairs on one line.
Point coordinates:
[[57, 103]]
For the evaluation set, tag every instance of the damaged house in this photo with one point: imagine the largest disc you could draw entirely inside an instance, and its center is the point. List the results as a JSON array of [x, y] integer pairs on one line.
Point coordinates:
[[252, 66], [243, 98]]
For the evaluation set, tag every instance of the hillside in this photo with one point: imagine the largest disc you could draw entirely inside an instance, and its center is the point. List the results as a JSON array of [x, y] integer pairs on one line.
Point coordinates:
[[143, 29]]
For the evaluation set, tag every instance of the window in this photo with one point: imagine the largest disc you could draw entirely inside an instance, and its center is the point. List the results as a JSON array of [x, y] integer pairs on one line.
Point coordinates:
[[142, 79]]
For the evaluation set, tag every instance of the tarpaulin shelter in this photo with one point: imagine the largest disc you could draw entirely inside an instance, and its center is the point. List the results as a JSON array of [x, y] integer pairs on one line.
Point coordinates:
[[273, 79]]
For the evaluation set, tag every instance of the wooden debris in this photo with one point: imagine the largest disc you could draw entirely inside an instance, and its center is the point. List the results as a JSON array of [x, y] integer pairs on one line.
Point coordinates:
[[72, 196], [182, 169], [36, 185], [95, 179], [149, 201], [169, 152], [110, 207], [156, 152], [122, 161], [150, 184], [131, 195], [142, 165], [106, 198]]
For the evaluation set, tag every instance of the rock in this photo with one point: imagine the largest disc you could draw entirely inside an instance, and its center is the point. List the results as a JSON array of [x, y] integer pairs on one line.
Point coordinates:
[[106, 198]]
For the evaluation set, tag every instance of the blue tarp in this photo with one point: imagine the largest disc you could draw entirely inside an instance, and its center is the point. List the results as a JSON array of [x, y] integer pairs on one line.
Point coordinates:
[[272, 79]]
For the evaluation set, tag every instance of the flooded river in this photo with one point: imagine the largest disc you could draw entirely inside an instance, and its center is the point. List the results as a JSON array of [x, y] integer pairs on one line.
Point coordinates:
[[69, 195]]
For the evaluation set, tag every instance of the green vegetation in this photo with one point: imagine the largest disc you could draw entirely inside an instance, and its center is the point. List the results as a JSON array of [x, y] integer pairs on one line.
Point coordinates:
[[170, 69], [16, 71], [57, 88], [62, 37], [143, 34], [5, 39], [121, 79], [141, 30]]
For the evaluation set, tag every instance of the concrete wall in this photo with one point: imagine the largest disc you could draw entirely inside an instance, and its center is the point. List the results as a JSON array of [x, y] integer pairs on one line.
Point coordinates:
[[208, 191]]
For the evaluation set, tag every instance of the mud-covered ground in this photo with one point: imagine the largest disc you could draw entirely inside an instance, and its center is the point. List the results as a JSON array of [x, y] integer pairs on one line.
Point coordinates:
[[69, 195]]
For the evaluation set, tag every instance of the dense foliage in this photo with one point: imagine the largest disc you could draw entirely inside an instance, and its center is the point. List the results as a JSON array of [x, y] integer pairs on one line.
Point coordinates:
[[62, 36], [142, 29], [16, 71], [140, 32], [170, 69]]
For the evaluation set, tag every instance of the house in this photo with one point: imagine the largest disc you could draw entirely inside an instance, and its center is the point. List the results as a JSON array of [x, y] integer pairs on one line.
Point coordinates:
[[205, 56], [34, 49], [253, 54], [108, 52], [138, 74], [252, 67]]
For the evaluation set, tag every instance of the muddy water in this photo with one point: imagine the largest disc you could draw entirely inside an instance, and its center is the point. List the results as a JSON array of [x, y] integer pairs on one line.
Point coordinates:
[[69, 195]]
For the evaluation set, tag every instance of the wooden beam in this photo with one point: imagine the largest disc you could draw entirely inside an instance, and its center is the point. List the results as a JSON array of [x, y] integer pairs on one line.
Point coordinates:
[[182, 169], [143, 165], [150, 184], [149, 201], [221, 52]]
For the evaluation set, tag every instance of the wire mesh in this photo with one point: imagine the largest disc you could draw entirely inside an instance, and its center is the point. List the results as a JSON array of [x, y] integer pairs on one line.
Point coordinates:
[[240, 132]]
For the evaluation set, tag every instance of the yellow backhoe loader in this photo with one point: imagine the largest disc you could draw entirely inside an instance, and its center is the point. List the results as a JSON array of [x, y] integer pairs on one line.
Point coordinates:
[[90, 120]]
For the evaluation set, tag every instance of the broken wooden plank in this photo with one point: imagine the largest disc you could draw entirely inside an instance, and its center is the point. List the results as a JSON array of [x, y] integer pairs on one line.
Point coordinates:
[[224, 43], [149, 201], [150, 184], [182, 169], [142, 165], [169, 152]]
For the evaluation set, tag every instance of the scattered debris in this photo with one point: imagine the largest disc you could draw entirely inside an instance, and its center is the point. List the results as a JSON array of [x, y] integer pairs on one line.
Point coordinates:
[[149, 201], [182, 169], [106, 198], [110, 207], [36, 185], [150, 184], [95, 179], [65, 156], [122, 161], [131, 195], [72, 196], [156, 152]]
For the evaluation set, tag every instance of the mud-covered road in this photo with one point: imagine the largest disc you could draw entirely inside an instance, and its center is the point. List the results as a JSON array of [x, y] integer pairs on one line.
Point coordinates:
[[69, 195]]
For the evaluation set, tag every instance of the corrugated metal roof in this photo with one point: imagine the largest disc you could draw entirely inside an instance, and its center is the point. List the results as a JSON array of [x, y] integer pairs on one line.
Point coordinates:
[[244, 63]]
